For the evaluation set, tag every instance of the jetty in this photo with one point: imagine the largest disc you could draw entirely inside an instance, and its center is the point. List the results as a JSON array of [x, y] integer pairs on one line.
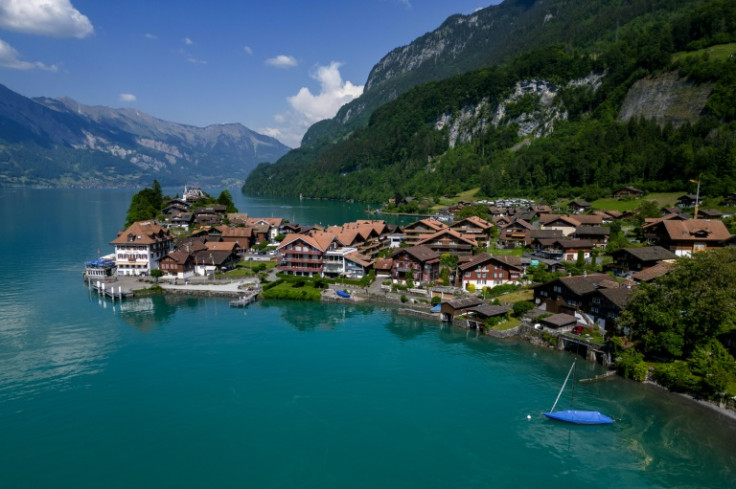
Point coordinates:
[[249, 296]]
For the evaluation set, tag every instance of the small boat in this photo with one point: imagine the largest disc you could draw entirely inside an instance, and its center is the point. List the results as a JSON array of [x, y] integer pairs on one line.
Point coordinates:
[[343, 294], [573, 415]]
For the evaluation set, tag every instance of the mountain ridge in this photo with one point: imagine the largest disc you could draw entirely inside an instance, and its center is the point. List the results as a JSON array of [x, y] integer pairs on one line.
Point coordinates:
[[62, 142]]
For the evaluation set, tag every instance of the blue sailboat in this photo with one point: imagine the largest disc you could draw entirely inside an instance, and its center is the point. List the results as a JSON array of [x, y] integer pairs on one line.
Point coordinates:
[[573, 415]]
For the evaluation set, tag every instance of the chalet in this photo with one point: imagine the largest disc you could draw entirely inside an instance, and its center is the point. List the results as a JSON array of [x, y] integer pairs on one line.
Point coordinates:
[[689, 200], [237, 218], [176, 206], [218, 255], [180, 220], [454, 307], [474, 226], [570, 294], [303, 254], [383, 267], [605, 305], [686, 237], [421, 261], [476, 316], [139, 248], [565, 249], [543, 234], [566, 224], [558, 322], [242, 236], [709, 214], [598, 235], [628, 260], [264, 228], [502, 221], [578, 206], [357, 266], [449, 241], [370, 237], [628, 193], [414, 231], [486, 270], [177, 263], [517, 233]]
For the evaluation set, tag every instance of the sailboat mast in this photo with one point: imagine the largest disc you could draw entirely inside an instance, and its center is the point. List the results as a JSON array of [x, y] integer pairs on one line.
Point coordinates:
[[563, 387]]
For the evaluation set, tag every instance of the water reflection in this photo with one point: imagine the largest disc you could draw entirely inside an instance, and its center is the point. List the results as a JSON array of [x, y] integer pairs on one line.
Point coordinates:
[[311, 316], [147, 314]]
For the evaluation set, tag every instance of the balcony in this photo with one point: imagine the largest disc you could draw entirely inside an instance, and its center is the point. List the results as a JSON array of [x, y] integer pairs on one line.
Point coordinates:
[[290, 269], [296, 260]]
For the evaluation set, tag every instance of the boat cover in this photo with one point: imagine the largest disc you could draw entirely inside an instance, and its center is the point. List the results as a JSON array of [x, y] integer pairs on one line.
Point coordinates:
[[343, 294], [579, 417]]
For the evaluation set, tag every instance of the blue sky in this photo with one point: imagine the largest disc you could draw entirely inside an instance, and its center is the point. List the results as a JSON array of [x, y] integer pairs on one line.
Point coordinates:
[[274, 66]]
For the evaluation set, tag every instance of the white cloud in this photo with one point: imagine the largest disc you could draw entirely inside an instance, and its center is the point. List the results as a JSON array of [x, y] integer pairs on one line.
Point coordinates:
[[187, 41], [10, 58], [127, 97], [248, 50], [55, 18], [196, 61], [308, 108], [150, 36], [282, 61]]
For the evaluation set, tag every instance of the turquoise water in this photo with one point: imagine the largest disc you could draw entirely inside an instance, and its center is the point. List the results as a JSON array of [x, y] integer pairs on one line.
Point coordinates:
[[184, 392]]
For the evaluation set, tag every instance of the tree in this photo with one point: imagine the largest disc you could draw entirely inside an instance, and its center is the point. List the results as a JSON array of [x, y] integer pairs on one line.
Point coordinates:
[[226, 199], [478, 210], [145, 205]]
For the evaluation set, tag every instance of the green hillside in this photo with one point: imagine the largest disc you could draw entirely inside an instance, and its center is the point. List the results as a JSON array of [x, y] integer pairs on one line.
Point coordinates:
[[588, 152]]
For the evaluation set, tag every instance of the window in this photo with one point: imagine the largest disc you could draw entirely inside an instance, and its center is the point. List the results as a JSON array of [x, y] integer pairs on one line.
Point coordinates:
[[557, 289]]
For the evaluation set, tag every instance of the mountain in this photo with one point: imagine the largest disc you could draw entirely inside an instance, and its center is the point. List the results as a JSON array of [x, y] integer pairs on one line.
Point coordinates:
[[544, 106], [60, 142]]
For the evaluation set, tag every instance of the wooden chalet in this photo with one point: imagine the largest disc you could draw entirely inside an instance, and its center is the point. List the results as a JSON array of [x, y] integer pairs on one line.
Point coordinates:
[[578, 206], [686, 237], [627, 193], [518, 233], [413, 232], [632, 259], [570, 294], [421, 260], [486, 270], [688, 200], [177, 263], [598, 235], [303, 254], [449, 241], [474, 226]]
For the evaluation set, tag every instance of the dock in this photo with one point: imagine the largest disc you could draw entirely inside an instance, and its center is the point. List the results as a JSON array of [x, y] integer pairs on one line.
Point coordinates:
[[250, 295], [110, 289]]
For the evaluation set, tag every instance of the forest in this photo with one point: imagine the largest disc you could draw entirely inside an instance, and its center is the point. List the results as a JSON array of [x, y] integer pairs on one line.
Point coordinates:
[[588, 154]]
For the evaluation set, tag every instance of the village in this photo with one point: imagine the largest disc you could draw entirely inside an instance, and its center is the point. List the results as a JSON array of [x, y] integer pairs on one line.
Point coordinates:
[[528, 266]]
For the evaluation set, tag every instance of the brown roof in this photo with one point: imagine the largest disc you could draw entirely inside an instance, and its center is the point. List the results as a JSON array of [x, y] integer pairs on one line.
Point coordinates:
[[221, 245], [271, 221], [429, 222], [420, 252], [361, 260], [237, 232], [513, 261], [463, 302], [425, 239], [490, 311], [619, 296], [649, 253], [697, 230], [584, 284], [559, 320], [143, 232], [180, 257], [318, 239], [383, 264], [481, 223], [653, 272]]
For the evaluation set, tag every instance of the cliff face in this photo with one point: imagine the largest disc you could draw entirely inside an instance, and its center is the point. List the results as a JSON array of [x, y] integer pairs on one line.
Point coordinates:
[[666, 98]]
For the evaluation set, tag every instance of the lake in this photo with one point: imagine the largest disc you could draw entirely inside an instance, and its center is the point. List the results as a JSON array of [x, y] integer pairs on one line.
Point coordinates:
[[184, 392]]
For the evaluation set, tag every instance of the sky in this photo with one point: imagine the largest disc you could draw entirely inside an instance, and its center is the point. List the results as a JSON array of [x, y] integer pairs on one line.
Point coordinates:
[[275, 66]]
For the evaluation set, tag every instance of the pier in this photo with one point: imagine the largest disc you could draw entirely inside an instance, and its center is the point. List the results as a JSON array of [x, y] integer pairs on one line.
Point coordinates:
[[250, 295]]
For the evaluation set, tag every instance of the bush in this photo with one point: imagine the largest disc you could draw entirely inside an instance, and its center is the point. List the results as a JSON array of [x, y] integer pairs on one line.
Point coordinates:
[[521, 308], [436, 300], [675, 376], [471, 288], [404, 298], [631, 365]]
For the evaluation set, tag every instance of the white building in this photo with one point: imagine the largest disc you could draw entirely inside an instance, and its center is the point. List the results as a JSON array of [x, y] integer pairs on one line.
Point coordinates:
[[139, 248]]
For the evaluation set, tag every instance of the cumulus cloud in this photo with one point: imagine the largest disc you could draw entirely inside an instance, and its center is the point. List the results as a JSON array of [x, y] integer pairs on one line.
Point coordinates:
[[55, 18], [247, 49], [10, 58], [282, 61], [150, 36], [187, 41], [308, 108], [127, 98]]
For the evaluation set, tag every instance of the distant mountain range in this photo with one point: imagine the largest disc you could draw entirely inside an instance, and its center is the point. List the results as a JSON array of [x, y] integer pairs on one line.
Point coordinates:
[[60, 142]]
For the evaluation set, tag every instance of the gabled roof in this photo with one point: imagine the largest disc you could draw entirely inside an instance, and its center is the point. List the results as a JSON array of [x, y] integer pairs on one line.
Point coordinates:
[[383, 264], [424, 239], [619, 296], [580, 203], [522, 223], [552, 219], [320, 240], [464, 302], [586, 230], [696, 230], [221, 246], [559, 320], [490, 311], [649, 253], [271, 221], [429, 222], [574, 243], [655, 271], [237, 232], [475, 220], [477, 260], [421, 252], [584, 284], [143, 232], [179, 257], [361, 260]]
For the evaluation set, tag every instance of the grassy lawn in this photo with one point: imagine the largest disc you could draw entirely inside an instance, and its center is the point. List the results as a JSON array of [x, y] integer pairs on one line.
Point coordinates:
[[467, 196], [663, 199], [715, 53], [515, 251], [518, 296], [249, 268], [288, 291], [511, 323], [251, 264]]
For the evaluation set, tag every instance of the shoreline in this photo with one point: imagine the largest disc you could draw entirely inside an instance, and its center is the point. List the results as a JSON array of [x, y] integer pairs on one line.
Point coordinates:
[[232, 289]]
